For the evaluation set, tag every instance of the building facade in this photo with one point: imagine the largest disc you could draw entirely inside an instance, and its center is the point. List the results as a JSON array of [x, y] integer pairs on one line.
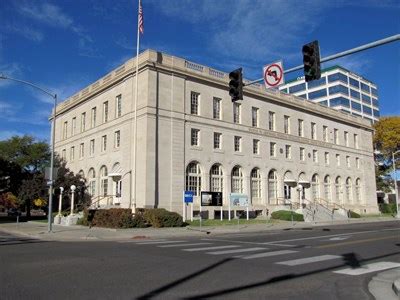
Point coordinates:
[[340, 89], [271, 146]]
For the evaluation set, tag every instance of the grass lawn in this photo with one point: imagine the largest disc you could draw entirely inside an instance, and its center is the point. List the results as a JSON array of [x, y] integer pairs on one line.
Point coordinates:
[[218, 222], [386, 215]]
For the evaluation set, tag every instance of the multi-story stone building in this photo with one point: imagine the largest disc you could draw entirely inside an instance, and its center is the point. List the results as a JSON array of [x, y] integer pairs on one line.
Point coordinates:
[[190, 136], [341, 89]]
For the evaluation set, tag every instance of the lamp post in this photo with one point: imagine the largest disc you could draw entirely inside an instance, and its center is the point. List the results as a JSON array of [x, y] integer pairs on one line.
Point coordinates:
[[396, 190], [53, 127], [73, 188]]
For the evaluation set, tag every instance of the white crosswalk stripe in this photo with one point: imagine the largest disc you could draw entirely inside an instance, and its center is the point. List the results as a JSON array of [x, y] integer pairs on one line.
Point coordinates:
[[369, 268], [183, 245], [140, 241], [236, 251], [161, 242], [308, 260], [266, 254], [211, 248]]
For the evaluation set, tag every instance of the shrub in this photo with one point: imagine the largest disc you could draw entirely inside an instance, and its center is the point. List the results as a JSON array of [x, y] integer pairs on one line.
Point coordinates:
[[386, 208], [353, 214], [139, 221], [113, 218], [160, 217], [286, 215]]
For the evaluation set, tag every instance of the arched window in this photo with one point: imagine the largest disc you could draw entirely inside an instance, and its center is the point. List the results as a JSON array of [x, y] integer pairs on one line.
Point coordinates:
[[338, 190], [327, 188], [358, 190], [92, 182], [237, 180], [255, 185], [272, 187], [288, 183], [216, 178], [348, 190], [315, 187], [82, 174], [193, 178], [103, 181]]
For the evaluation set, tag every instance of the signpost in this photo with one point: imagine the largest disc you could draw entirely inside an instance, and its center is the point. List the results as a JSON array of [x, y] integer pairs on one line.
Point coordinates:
[[238, 200], [187, 198], [273, 74]]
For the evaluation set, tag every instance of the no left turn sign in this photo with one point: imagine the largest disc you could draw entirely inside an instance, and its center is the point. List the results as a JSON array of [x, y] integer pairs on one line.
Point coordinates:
[[273, 74]]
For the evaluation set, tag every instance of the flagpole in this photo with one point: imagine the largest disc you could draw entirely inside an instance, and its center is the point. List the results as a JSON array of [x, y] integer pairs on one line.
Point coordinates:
[[136, 100]]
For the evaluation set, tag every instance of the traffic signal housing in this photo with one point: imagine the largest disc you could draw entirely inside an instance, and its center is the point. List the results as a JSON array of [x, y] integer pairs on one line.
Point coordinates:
[[312, 61], [236, 85]]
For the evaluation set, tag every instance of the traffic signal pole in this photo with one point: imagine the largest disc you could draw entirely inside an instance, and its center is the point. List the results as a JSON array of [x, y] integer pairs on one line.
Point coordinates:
[[341, 54]]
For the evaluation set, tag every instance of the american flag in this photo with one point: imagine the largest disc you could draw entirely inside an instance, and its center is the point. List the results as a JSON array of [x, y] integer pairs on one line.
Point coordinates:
[[141, 27]]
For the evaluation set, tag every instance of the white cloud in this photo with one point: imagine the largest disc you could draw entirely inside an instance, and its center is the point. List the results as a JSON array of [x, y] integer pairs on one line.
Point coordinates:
[[27, 32], [6, 134]]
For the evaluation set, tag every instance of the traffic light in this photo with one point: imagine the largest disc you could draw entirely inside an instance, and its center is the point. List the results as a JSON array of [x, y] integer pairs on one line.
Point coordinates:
[[236, 85], [311, 60]]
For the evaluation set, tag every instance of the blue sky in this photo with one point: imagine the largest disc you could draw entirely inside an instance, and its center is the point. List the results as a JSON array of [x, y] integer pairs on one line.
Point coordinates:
[[65, 45]]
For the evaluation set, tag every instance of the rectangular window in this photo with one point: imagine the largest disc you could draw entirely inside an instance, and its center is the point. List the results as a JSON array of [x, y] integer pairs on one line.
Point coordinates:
[[356, 141], [374, 91], [286, 124], [236, 113], [355, 106], [254, 116], [194, 103], [217, 140], [256, 147], [337, 77], [105, 112], [313, 131], [73, 129], [117, 139], [194, 140], [91, 148], [288, 151], [82, 150], [365, 87], [354, 94], [339, 101], [346, 138], [297, 88], [338, 160], [336, 136], [238, 142], [72, 154], [93, 118], [357, 163], [317, 94], [338, 89], [83, 122], [103, 143], [325, 133], [272, 149], [326, 158], [217, 108], [302, 154], [315, 83], [271, 121], [348, 161], [64, 154], [354, 82], [65, 130], [315, 156], [118, 106], [300, 127]]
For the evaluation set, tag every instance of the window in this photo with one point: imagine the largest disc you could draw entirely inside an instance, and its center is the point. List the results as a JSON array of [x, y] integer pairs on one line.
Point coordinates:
[[317, 94], [82, 150], [354, 82], [73, 129], [103, 181], [256, 147], [348, 161], [217, 140], [336, 136], [337, 77], [315, 83], [216, 178], [356, 141], [348, 190], [355, 106], [271, 121], [236, 113], [194, 103], [376, 113], [367, 110], [346, 138], [302, 154], [91, 148], [288, 151], [83, 122], [72, 154], [297, 88], [327, 188], [237, 143], [64, 154], [193, 178], [118, 106], [92, 182], [117, 139], [286, 124], [366, 99], [338, 189], [358, 190], [354, 94], [254, 116], [272, 149], [326, 158], [315, 187], [375, 102], [338, 160], [325, 133], [374, 91], [300, 127], [65, 130], [315, 156], [313, 131], [93, 117], [272, 187], [365, 87], [237, 180], [338, 89], [105, 112], [194, 139], [103, 143], [340, 101], [217, 108], [255, 185]]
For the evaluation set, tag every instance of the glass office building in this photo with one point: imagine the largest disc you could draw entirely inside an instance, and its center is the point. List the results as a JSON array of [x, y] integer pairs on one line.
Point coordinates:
[[340, 89]]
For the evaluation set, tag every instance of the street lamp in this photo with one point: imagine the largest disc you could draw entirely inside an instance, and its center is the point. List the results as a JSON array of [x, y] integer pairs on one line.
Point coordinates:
[[396, 190], [53, 127]]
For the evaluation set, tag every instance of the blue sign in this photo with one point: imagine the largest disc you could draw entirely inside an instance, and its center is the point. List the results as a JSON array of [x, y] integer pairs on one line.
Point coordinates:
[[188, 196]]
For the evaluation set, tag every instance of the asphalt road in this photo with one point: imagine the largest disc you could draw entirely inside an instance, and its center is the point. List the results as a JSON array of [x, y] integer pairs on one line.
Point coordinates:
[[333, 262]]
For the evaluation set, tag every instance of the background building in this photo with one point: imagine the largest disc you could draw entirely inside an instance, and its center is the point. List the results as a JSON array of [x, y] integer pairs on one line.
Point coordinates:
[[271, 146], [341, 89]]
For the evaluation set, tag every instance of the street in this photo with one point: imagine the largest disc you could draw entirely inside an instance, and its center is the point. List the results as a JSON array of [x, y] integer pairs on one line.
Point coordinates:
[[331, 262]]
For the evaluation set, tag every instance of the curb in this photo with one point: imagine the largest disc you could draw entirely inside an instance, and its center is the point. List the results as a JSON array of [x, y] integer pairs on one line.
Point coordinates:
[[396, 287]]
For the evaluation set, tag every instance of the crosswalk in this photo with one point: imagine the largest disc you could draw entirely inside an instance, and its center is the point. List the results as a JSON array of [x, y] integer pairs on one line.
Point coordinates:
[[248, 252]]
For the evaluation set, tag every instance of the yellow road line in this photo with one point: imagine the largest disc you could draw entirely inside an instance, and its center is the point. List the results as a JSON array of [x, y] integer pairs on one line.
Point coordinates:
[[358, 242]]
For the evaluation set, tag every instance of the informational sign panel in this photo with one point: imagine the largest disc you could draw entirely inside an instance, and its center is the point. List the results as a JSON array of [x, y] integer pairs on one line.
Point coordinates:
[[273, 75], [211, 199], [239, 199], [188, 197]]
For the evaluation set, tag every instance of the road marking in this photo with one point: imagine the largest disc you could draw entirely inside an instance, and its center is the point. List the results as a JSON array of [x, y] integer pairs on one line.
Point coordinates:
[[379, 266], [233, 241], [161, 242], [357, 242], [266, 254], [339, 238], [236, 251], [141, 241], [211, 248], [183, 245], [307, 260]]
